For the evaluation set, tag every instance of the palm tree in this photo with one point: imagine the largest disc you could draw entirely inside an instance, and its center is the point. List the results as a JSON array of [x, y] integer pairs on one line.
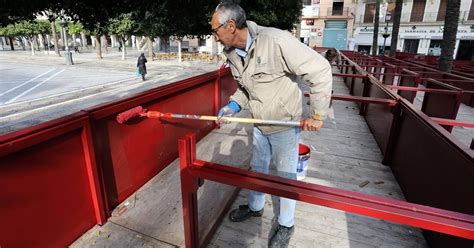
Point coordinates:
[[376, 28], [449, 35], [54, 34], [396, 27]]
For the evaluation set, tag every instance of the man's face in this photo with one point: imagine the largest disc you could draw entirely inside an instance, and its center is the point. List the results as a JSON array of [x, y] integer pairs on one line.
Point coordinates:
[[222, 33]]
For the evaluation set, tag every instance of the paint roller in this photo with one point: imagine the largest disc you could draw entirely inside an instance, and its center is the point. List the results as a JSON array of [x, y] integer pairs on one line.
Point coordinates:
[[141, 112]]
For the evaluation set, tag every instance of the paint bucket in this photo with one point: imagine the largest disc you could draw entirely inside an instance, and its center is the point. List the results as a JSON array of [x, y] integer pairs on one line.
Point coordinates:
[[303, 156]]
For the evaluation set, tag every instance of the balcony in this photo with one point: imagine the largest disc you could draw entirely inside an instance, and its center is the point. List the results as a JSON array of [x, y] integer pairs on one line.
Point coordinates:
[[336, 12], [411, 17]]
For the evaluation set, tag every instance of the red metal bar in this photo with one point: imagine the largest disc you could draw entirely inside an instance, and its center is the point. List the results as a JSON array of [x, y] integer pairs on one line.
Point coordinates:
[[439, 220], [345, 65], [350, 75], [189, 195], [405, 88], [390, 74], [449, 122], [217, 95], [361, 99], [93, 175]]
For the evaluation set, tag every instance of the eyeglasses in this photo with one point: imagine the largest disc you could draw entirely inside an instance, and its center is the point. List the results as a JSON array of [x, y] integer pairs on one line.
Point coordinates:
[[214, 30]]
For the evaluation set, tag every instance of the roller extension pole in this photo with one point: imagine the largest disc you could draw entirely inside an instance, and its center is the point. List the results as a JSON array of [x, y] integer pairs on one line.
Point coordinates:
[[139, 111]]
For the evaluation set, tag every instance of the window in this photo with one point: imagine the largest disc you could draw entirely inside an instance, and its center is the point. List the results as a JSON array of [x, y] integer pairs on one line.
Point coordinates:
[[364, 49], [435, 47], [306, 2], [337, 8], [465, 50], [201, 42], [411, 46], [442, 10], [369, 13], [390, 11], [339, 24], [471, 11], [417, 11]]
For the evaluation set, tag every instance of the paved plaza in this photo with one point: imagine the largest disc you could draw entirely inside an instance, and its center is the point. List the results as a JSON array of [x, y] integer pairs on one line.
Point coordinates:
[[34, 89]]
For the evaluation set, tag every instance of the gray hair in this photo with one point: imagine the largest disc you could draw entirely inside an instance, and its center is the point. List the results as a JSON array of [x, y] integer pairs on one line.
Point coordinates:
[[231, 11]]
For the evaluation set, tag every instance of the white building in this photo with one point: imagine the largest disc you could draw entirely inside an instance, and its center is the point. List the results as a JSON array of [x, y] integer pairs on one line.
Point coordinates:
[[327, 23], [421, 27]]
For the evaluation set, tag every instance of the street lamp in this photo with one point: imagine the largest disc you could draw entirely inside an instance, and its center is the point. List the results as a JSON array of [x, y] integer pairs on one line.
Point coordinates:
[[63, 24], [67, 53], [388, 17]]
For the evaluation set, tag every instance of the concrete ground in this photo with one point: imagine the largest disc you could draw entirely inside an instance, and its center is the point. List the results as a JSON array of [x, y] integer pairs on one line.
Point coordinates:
[[35, 89]]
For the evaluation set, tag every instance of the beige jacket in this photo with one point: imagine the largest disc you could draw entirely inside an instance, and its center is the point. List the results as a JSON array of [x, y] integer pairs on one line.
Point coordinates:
[[268, 78]]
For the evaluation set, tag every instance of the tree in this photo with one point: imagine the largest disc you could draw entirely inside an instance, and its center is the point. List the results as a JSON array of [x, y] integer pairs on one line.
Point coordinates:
[[193, 21], [283, 14], [396, 27], [123, 26], [43, 29], [93, 15], [20, 10], [54, 34], [155, 21], [376, 28], [10, 32], [28, 29], [159, 19], [97, 32], [449, 35], [74, 28], [52, 17]]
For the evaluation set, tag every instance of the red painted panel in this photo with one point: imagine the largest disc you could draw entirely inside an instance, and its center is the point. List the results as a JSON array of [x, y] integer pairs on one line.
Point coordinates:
[[45, 200], [228, 87], [379, 117], [131, 154], [441, 105], [440, 175]]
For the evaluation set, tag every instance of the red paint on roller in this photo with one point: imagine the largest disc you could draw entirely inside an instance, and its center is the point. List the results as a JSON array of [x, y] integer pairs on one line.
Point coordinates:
[[129, 114]]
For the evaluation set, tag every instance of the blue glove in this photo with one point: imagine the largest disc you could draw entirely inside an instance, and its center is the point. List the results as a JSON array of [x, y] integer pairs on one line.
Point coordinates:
[[228, 110]]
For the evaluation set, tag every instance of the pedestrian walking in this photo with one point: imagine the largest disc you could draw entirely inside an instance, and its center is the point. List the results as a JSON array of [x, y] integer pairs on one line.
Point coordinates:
[[267, 62], [141, 65]]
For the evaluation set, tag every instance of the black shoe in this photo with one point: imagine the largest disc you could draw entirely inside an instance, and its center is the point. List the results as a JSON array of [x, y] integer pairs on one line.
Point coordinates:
[[282, 236], [243, 212]]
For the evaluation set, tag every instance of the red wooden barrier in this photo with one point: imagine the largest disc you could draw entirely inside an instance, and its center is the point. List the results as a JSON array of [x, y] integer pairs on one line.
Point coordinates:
[[60, 178], [49, 184], [439, 220]]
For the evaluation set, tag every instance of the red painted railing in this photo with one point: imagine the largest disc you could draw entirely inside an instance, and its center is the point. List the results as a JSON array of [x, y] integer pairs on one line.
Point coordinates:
[[193, 170]]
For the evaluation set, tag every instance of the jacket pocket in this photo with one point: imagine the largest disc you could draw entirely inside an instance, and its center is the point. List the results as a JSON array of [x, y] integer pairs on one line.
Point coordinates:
[[264, 74]]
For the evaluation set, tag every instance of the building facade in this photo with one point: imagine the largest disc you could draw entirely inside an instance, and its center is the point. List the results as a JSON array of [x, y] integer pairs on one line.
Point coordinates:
[[327, 23], [421, 27]]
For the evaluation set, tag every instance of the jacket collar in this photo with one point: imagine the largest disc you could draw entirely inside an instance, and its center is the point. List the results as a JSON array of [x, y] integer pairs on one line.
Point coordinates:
[[253, 29]]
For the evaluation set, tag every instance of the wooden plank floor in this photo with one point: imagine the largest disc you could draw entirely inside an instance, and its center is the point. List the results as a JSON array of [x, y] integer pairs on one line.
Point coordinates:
[[344, 155]]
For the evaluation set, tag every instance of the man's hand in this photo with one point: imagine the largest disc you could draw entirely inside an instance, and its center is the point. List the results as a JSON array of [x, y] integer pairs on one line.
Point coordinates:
[[228, 110], [311, 124]]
